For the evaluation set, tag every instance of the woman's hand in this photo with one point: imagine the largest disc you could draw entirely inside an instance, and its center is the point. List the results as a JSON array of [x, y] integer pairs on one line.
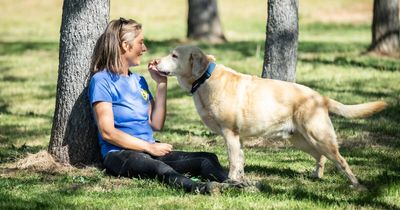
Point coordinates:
[[154, 73], [159, 149]]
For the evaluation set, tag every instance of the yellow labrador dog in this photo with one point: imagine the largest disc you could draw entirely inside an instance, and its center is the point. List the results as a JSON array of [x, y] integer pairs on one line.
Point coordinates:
[[236, 105]]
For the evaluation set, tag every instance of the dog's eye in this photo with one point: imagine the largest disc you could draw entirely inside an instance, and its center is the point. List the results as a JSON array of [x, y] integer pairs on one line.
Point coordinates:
[[174, 56]]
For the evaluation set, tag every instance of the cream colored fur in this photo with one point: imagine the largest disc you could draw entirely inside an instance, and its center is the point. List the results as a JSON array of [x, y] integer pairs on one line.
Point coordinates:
[[236, 105]]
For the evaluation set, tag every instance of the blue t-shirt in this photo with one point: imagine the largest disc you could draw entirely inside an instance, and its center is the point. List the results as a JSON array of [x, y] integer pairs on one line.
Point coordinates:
[[130, 98]]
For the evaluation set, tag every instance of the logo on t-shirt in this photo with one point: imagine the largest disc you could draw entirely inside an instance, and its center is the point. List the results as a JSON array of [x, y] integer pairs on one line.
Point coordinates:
[[145, 94]]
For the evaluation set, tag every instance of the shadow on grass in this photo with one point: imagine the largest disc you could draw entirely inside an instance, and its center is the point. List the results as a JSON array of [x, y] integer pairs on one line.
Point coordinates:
[[355, 87], [12, 153], [177, 92], [385, 122], [283, 172], [10, 78], [374, 63], [245, 48], [364, 199], [386, 162], [4, 107], [17, 48], [330, 47], [184, 132], [35, 198]]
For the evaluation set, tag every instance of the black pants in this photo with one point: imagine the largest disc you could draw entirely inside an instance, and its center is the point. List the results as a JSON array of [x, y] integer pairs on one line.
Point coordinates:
[[168, 169]]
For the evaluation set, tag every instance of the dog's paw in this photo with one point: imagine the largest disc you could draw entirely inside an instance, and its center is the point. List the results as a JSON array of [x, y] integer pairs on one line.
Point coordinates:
[[359, 187]]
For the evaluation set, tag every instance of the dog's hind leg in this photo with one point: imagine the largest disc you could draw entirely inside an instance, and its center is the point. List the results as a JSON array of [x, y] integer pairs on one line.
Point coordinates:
[[299, 141], [320, 166], [319, 132], [235, 155]]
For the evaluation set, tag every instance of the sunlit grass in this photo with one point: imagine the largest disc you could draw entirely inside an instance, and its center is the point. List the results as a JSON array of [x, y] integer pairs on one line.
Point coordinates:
[[330, 60]]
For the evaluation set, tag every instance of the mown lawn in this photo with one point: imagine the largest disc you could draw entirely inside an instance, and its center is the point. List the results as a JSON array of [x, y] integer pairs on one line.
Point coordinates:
[[330, 60]]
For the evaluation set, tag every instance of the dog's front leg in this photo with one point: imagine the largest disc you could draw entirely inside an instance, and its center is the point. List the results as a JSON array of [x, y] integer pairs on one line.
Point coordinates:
[[235, 155]]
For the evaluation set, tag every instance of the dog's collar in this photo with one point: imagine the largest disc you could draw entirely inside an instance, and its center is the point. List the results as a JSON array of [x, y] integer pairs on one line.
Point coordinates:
[[203, 78]]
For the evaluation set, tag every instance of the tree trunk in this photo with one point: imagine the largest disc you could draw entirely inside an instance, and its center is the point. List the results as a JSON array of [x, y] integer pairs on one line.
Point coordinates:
[[203, 21], [73, 136], [280, 56], [386, 27]]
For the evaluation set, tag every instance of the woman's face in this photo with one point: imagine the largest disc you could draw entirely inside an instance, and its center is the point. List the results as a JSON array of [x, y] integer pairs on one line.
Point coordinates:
[[133, 53]]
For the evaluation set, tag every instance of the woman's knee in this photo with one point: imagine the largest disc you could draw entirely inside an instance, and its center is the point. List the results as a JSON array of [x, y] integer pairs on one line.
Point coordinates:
[[210, 156]]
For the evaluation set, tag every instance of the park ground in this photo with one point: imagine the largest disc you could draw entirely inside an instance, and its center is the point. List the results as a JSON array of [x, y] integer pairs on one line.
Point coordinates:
[[334, 36]]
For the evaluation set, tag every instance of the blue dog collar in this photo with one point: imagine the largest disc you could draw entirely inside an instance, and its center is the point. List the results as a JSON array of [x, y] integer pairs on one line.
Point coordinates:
[[203, 78]]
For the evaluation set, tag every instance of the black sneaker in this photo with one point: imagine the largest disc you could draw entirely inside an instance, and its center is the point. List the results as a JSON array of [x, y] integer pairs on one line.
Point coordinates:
[[211, 188], [246, 185]]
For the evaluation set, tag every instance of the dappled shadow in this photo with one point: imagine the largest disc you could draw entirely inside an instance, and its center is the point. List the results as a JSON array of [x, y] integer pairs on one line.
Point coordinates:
[[177, 92], [48, 91], [12, 153], [11, 132], [329, 47], [378, 184], [4, 107], [301, 193], [346, 61], [264, 170], [377, 187], [163, 46], [389, 116], [185, 132], [65, 186], [245, 48], [356, 87], [10, 78], [20, 47]]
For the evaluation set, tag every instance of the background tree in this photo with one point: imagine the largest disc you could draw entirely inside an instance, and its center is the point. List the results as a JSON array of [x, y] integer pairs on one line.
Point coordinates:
[[386, 27], [203, 21], [73, 135], [280, 56]]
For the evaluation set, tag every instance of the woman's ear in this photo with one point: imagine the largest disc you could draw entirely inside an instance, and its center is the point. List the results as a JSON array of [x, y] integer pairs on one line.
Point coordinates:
[[199, 63], [125, 46]]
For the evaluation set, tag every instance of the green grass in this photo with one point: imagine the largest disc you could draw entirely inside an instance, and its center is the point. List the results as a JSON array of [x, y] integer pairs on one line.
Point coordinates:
[[331, 60]]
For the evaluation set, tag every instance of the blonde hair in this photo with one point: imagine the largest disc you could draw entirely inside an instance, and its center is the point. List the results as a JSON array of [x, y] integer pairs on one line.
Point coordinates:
[[108, 50]]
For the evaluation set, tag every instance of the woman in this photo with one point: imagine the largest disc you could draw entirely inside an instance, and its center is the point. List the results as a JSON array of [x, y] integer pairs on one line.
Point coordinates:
[[126, 115]]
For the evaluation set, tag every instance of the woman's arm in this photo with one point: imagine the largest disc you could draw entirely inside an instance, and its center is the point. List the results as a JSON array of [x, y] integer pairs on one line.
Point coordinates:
[[105, 123], [157, 109]]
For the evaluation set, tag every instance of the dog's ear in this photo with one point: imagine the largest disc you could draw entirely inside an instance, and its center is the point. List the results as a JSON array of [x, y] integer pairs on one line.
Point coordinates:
[[199, 63], [211, 58]]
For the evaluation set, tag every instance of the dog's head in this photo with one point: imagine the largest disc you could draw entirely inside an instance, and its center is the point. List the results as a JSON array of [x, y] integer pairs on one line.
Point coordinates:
[[186, 62]]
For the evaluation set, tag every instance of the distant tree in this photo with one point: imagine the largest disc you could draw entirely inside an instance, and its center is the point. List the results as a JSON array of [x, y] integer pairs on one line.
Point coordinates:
[[203, 21], [73, 135], [280, 56], [386, 27]]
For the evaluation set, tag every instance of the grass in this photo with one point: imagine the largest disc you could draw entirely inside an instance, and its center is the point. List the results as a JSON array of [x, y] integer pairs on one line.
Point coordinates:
[[330, 60]]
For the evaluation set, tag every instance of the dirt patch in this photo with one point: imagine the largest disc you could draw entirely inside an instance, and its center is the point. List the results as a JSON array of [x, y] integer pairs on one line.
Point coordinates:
[[41, 162]]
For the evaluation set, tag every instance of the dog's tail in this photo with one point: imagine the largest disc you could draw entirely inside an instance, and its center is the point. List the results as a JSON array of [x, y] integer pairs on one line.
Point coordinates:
[[357, 110]]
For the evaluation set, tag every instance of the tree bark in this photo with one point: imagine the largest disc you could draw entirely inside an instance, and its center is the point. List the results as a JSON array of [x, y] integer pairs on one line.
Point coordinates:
[[280, 56], [386, 27], [73, 135], [203, 21]]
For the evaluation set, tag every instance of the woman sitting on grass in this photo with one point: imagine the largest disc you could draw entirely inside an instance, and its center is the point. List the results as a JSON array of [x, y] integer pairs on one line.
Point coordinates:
[[126, 115]]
